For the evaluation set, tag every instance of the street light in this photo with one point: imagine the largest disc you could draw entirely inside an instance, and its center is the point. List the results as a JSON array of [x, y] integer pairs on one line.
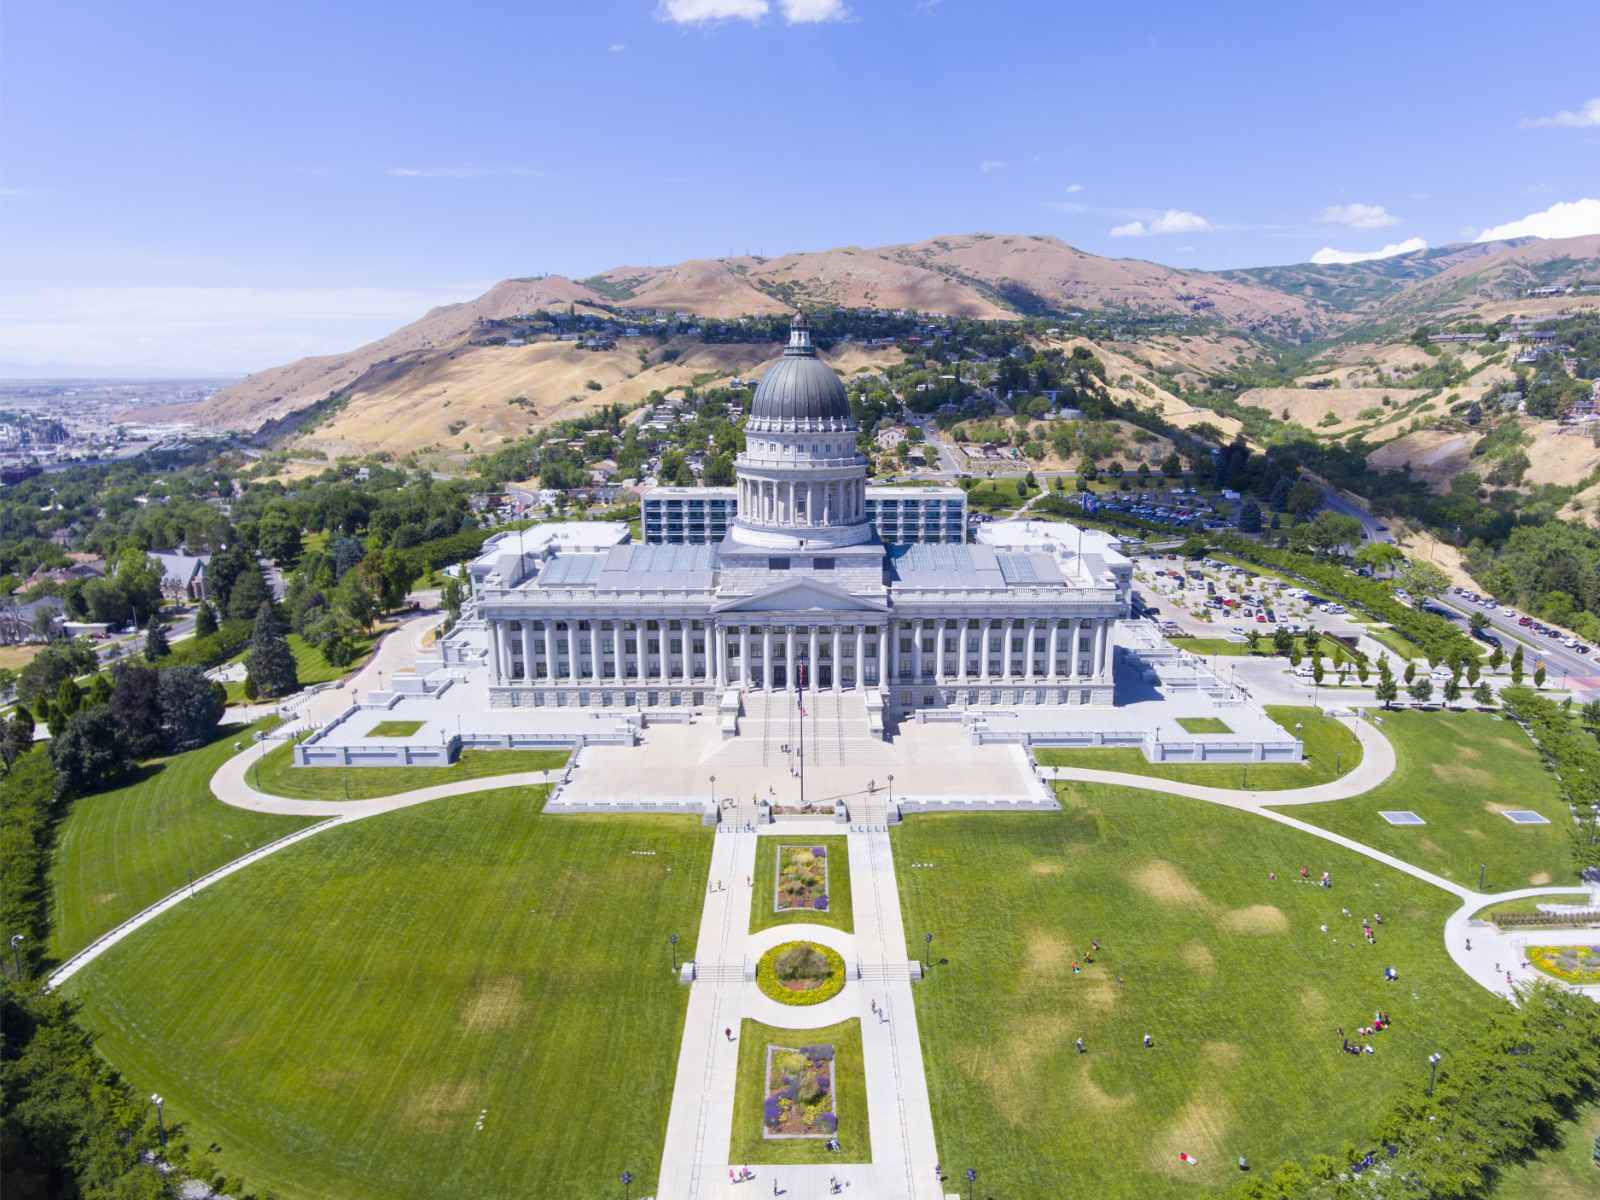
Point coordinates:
[[1482, 867], [16, 955], [627, 1182], [972, 1178], [891, 791], [713, 791], [927, 953], [672, 943], [1433, 1069], [161, 1127]]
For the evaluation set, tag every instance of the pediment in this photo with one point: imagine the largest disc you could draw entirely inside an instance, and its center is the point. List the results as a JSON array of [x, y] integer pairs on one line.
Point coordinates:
[[801, 595]]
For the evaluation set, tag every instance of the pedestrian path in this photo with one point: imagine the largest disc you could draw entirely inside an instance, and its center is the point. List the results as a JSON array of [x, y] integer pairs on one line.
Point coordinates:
[[1494, 957], [695, 1161]]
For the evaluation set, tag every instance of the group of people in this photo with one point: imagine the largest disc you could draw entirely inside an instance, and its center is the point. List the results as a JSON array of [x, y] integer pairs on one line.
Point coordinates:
[[1380, 1022]]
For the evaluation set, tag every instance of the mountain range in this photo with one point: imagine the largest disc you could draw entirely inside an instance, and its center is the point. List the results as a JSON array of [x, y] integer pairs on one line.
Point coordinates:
[[989, 276]]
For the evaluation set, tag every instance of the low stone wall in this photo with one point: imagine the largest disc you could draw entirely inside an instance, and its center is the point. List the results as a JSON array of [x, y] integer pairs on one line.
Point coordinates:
[[401, 755]]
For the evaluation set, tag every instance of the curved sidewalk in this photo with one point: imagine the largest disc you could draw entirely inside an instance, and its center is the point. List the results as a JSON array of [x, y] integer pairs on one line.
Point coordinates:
[[1495, 958], [1376, 765]]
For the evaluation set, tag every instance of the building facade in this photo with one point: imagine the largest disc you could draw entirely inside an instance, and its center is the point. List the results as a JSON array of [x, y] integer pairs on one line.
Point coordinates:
[[801, 591], [689, 516]]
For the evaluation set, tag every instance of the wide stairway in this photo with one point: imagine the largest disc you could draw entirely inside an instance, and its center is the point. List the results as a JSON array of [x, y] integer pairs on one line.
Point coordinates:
[[831, 730]]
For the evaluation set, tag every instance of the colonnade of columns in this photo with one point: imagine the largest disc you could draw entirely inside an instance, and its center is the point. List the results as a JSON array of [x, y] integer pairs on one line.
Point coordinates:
[[801, 502], [836, 656]]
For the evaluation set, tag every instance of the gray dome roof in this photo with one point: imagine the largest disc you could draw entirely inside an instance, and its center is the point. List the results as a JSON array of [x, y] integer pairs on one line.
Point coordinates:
[[800, 388]]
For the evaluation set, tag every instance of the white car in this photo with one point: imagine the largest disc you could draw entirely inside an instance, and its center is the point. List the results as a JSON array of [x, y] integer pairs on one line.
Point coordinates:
[[1239, 629]]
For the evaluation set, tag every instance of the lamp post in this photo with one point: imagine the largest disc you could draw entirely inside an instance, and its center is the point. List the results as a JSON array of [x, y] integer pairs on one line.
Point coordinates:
[[672, 944], [713, 791], [627, 1183], [891, 791], [16, 954], [1482, 867], [1433, 1069], [161, 1126], [927, 952], [972, 1178]]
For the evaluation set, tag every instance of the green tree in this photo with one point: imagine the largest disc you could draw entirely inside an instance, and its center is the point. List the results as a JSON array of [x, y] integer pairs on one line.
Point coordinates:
[[1410, 671], [155, 640], [1538, 675], [1421, 689], [1282, 642], [205, 621], [270, 663], [249, 593], [89, 754], [192, 707], [1386, 691], [1516, 666], [1316, 668], [1483, 694], [278, 536], [1423, 580], [1452, 689], [1497, 656], [1379, 557]]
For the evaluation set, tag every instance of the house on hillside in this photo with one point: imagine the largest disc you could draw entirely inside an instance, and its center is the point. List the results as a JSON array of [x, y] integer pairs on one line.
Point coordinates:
[[183, 576]]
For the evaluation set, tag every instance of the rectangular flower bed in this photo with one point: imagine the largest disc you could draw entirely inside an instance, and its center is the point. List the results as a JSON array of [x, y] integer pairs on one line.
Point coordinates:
[[1574, 964], [802, 878], [799, 1101]]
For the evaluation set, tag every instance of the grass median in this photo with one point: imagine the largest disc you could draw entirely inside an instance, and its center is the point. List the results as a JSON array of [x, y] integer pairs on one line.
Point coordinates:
[[277, 774]]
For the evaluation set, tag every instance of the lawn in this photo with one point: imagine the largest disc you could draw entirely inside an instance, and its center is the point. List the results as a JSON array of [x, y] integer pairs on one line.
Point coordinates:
[[1210, 646], [1203, 725], [1392, 641], [310, 666], [14, 658], [122, 850], [1564, 1172], [1333, 652], [465, 998], [1331, 750], [849, 1087], [395, 729], [1226, 970], [838, 914], [998, 497], [1458, 772], [276, 773]]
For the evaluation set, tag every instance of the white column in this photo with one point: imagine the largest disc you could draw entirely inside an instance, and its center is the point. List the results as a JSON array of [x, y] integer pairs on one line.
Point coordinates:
[[665, 641], [861, 657], [788, 656], [549, 650], [811, 665], [617, 671], [572, 649], [916, 650], [766, 657], [1051, 671], [837, 668], [1028, 626], [744, 656], [497, 649], [639, 669], [1101, 645], [1077, 644], [984, 625], [884, 678], [938, 649], [527, 651], [596, 674], [720, 673]]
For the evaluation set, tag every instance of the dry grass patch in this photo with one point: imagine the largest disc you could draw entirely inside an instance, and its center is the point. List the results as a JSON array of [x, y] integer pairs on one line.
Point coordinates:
[[1539, 878], [1313, 1003], [1091, 1095], [1162, 881], [431, 1109], [1256, 918], [1010, 1070], [1198, 958], [1047, 868], [1223, 1055], [1046, 953], [1199, 1129], [494, 1005], [1468, 776]]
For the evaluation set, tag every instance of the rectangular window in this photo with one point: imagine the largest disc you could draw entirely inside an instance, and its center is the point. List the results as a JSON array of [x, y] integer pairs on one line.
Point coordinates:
[[777, 564], [822, 564]]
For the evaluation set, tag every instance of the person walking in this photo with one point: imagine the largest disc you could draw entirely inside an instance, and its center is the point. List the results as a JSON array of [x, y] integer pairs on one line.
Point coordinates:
[[727, 1032]]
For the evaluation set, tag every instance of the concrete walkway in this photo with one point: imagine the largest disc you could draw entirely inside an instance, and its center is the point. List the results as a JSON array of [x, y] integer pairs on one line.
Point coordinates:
[[695, 1159], [1377, 764], [1496, 958]]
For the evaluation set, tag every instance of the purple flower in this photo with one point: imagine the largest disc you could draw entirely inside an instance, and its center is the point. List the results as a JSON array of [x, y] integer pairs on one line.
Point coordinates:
[[820, 903], [818, 1053], [827, 1123], [769, 1111], [820, 851]]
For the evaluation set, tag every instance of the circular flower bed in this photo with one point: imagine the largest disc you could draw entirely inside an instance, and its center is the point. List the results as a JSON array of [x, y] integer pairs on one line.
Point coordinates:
[[800, 973]]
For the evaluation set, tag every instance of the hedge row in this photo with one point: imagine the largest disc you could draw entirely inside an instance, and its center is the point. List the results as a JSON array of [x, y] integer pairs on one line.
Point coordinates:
[[27, 816], [1572, 754]]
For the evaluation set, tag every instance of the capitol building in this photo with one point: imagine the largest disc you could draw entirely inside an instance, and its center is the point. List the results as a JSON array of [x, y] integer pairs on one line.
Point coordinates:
[[800, 593]]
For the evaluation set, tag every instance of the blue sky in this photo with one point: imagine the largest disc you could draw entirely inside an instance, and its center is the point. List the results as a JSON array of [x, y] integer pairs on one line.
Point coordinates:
[[202, 186]]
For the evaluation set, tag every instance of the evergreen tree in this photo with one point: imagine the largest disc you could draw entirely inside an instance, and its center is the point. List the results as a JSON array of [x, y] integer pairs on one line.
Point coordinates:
[[1452, 690], [205, 621], [1484, 695], [1538, 676], [270, 664], [1421, 690], [1410, 671], [1386, 691], [155, 640], [1496, 657], [1516, 667]]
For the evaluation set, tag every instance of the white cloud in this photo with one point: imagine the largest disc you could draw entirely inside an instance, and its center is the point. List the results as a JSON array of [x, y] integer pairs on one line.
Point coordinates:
[[1561, 220], [1174, 220], [990, 165], [1328, 256], [463, 171], [703, 12], [201, 328], [1074, 188], [812, 12], [1587, 117], [1358, 216], [616, 47]]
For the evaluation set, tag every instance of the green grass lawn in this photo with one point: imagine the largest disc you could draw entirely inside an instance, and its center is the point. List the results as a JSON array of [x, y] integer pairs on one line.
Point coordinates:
[[1331, 750], [839, 914], [397, 729], [122, 850], [1458, 771], [850, 1092], [1210, 646], [1203, 725], [310, 666], [998, 497], [1563, 1172], [1333, 653], [338, 1017], [277, 774], [1392, 641], [1228, 972]]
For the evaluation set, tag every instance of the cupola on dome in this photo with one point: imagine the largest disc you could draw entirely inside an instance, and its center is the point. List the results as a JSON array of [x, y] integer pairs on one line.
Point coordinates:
[[800, 391]]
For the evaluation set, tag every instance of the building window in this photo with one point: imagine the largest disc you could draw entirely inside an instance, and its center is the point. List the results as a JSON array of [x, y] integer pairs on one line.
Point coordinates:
[[777, 564], [822, 564]]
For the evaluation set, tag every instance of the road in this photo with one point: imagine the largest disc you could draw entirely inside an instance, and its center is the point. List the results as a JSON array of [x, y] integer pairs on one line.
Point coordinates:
[[1372, 529], [1558, 660]]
